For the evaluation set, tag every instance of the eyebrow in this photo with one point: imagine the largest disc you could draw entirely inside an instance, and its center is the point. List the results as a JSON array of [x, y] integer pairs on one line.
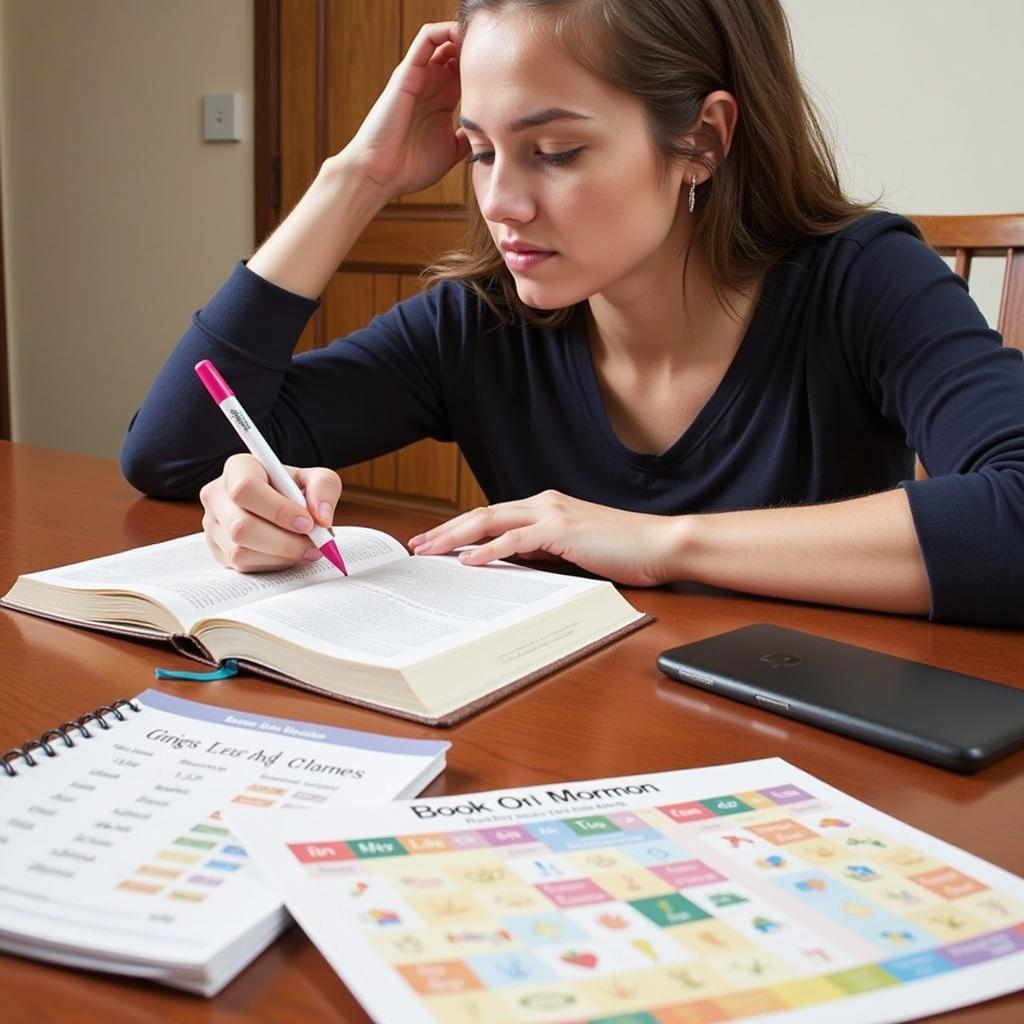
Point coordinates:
[[541, 117]]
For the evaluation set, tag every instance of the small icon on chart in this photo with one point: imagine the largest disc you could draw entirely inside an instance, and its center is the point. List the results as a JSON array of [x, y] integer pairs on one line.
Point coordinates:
[[995, 906], [495, 938], [614, 922], [580, 959], [736, 841], [861, 873], [948, 920], [618, 989], [812, 885], [833, 823], [711, 939], [547, 1002], [855, 841], [646, 948], [684, 977], [771, 861], [358, 889], [816, 955], [546, 869], [859, 910], [382, 918], [766, 926], [900, 939], [513, 967], [546, 930], [902, 897]]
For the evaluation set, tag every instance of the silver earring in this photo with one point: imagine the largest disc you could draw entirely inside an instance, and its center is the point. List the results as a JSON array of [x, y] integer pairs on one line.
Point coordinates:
[[693, 192]]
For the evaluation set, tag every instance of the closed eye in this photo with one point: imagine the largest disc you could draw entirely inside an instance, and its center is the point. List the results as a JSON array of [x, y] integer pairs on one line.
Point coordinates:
[[565, 157], [559, 159]]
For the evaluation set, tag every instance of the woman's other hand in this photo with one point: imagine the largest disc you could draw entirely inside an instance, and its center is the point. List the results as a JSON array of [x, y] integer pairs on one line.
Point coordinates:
[[629, 547], [408, 140], [252, 528]]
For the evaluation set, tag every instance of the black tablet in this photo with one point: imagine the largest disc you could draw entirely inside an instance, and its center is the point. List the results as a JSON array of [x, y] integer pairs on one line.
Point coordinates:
[[950, 719]]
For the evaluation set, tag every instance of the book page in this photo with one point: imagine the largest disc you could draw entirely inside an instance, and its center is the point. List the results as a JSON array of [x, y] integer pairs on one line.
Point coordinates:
[[746, 891], [411, 609], [117, 847], [184, 576]]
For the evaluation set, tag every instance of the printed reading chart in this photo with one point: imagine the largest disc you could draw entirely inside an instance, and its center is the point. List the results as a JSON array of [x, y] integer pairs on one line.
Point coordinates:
[[741, 892], [115, 853]]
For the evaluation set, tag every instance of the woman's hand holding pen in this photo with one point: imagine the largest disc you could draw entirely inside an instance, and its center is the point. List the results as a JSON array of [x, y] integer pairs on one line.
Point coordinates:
[[250, 527], [627, 547], [408, 140]]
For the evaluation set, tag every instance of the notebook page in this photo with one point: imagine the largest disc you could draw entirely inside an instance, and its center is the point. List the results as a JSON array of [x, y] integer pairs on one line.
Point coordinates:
[[118, 847]]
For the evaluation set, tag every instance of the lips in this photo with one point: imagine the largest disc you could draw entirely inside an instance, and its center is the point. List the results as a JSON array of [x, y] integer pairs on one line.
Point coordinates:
[[524, 255]]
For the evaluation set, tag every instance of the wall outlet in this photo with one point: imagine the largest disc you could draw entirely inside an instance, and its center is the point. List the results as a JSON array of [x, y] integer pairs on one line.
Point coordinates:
[[222, 117]]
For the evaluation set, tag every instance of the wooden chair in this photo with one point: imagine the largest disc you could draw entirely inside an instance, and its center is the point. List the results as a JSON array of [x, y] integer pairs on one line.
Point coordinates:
[[1000, 234]]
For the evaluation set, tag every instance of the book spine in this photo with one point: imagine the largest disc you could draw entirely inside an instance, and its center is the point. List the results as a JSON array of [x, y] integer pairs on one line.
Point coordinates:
[[29, 752]]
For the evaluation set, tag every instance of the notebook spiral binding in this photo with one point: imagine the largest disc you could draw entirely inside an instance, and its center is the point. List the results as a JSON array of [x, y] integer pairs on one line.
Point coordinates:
[[97, 715]]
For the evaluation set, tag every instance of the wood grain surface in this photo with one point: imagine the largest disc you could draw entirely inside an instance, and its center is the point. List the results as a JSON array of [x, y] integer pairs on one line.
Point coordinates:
[[612, 713]]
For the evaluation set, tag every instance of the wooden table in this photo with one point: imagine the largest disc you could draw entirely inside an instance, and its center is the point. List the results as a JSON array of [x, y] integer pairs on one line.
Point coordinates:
[[612, 713]]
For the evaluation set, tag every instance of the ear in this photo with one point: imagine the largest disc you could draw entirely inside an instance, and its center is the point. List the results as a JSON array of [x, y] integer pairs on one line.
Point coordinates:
[[718, 116]]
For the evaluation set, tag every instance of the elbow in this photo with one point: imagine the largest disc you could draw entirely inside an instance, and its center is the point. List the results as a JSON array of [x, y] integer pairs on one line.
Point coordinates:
[[158, 475]]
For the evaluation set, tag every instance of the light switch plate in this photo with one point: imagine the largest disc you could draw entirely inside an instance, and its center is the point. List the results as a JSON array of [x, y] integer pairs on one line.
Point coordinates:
[[222, 117]]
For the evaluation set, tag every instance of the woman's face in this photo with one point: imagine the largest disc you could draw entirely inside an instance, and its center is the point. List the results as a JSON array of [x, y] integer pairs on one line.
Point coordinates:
[[564, 170]]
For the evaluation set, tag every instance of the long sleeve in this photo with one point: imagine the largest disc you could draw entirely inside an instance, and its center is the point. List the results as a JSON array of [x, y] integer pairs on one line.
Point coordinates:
[[371, 392], [918, 343]]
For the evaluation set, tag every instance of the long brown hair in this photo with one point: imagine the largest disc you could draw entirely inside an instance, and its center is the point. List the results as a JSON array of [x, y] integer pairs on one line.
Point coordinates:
[[778, 184]]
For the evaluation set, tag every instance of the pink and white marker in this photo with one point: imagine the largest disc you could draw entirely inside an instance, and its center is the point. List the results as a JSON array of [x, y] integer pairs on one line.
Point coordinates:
[[222, 394]]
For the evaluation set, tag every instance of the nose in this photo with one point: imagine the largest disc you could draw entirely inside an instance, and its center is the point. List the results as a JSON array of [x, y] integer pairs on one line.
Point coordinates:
[[503, 195]]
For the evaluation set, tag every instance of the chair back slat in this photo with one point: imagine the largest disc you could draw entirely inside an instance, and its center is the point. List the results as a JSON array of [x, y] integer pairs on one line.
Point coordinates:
[[1001, 234], [1011, 306]]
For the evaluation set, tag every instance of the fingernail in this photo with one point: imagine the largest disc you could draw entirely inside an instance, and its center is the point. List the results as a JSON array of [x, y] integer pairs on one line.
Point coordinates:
[[425, 548], [303, 524], [312, 554], [326, 511], [418, 539]]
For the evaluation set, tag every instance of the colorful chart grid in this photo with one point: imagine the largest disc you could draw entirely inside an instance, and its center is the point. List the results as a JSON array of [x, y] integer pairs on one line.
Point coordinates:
[[712, 910]]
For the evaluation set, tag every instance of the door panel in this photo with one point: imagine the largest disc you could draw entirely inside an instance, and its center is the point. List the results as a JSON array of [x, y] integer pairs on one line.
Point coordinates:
[[328, 62]]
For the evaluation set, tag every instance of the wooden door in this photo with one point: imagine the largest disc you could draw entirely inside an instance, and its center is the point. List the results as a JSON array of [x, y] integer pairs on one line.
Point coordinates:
[[320, 64]]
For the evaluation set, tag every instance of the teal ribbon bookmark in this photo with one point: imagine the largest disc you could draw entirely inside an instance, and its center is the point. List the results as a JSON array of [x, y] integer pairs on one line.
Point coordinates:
[[226, 671]]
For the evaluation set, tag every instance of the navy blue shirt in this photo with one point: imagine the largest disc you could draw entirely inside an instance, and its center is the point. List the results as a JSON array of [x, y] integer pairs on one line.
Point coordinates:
[[863, 349]]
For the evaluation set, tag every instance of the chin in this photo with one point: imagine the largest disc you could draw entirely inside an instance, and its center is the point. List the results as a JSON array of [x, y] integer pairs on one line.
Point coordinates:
[[548, 296]]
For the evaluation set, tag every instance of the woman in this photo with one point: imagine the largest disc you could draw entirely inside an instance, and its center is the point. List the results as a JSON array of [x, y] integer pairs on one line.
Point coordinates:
[[673, 350]]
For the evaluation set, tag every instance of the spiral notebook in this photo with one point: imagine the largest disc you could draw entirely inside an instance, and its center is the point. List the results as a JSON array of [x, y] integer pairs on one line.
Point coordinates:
[[115, 853]]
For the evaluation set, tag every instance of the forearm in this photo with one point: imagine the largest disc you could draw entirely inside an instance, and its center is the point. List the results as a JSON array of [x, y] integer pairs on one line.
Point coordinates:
[[862, 553], [306, 249]]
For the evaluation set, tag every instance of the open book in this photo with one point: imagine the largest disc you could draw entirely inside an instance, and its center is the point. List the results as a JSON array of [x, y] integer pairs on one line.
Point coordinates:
[[423, 637]]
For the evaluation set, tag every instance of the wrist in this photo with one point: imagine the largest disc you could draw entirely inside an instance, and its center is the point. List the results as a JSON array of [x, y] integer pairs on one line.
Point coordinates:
[[682, 539], [345, 174]]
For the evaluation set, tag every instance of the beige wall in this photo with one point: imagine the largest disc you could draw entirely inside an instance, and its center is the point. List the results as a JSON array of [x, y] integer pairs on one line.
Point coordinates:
[[924, 98], [118, 220]]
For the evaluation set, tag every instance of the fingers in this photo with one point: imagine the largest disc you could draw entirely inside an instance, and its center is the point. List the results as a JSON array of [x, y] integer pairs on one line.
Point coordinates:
[[467, 528], [322, 488], [252, 528], [522, 540], [509, 528], [247, 486], [430, 40]]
